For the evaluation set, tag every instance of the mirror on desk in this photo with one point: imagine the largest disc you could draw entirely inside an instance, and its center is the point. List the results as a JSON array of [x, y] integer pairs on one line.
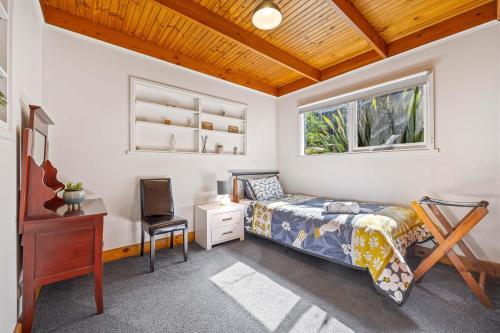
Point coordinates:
[[39, 144], [39, 123]]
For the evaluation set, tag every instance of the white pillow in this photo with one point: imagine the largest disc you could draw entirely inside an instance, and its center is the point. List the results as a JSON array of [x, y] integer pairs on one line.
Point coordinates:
[[268, 188]]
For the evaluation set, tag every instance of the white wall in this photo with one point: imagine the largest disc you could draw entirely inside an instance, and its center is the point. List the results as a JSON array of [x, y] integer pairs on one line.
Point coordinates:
[[25, 76], [467, 114], [86, 92]]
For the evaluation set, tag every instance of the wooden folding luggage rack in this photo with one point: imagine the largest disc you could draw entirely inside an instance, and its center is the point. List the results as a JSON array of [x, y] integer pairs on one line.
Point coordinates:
[[453, 236]]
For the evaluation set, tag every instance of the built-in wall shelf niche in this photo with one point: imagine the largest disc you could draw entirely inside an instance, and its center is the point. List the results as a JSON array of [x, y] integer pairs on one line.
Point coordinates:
[[166, 119]]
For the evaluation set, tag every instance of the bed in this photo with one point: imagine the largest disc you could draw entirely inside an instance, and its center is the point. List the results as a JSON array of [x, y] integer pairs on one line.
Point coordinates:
[[375, 240]]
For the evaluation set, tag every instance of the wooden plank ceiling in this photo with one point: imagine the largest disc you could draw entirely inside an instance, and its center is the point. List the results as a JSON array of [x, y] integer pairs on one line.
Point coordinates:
[[317, 40]]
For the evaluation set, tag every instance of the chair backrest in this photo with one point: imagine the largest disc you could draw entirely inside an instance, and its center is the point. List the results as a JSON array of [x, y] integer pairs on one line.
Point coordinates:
[[156, 197]]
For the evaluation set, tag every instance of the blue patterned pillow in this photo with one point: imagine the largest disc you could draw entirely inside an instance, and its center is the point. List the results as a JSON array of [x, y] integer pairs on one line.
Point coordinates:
[[266, 188], [248, 190]]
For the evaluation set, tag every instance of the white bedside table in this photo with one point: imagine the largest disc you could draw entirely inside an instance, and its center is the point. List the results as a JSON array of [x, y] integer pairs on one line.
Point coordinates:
[[214, 224]]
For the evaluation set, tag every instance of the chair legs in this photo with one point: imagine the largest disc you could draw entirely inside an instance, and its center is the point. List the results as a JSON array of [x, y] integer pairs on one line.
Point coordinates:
[[152, 246], [142, 242], [152, 254], [185, 243]]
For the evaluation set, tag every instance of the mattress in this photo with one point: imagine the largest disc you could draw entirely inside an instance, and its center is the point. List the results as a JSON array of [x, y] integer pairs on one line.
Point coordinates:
[[376, 239]]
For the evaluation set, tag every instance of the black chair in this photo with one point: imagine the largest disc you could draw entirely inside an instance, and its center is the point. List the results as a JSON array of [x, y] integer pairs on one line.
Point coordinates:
[[157, 210]]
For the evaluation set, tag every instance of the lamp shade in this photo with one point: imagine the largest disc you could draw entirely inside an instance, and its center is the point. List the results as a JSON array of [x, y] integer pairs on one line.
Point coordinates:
[[267, 15], [223, 187]]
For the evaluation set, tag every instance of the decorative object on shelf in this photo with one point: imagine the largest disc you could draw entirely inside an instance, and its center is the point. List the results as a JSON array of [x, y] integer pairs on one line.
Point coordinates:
[[166, 102], [267, 15], [223, 191], [167, 121], [233, 129], [219, 149], [235, 150], [204, 142], [206, 125], [189, 121], [172, 143], [74, 194], [222, 112]]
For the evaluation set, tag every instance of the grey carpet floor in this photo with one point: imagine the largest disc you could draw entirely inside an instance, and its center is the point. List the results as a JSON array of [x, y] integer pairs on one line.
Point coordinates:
[[319, 296]]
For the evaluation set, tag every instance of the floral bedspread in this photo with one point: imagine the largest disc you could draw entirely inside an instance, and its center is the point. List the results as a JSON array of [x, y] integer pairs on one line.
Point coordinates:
[[376, 239]]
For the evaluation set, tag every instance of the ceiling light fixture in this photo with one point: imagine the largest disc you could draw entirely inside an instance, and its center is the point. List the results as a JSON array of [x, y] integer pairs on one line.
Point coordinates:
[[267, 15]]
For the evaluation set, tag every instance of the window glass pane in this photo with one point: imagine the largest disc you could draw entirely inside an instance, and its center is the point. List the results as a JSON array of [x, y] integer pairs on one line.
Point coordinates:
[[3, 100], [392, 118], [325, 130]]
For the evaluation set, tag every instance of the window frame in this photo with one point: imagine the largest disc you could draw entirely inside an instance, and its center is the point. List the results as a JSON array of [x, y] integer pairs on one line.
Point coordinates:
[[350, 98]]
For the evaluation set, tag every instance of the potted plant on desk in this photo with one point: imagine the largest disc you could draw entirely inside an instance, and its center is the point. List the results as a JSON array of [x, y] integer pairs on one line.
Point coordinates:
[[74, 194]]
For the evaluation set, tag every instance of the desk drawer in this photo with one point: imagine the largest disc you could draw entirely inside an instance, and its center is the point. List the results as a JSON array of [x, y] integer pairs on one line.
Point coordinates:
[[227, 218], [63, 251], [226, 233]]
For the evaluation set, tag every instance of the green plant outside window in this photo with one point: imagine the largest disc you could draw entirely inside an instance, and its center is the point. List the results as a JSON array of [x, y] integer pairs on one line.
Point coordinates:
[[394, 118], [326, 131]]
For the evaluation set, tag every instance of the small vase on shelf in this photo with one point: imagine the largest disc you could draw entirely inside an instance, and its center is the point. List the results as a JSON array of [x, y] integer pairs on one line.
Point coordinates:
[[172, 142]]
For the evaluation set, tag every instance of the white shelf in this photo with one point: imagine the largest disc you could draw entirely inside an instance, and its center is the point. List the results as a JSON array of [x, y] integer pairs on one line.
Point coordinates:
[[3, 73], [222, 132], [224, 154], [162, 150], [147, 113], [165, 126], [212, 115], [165, 107], [3, 12]]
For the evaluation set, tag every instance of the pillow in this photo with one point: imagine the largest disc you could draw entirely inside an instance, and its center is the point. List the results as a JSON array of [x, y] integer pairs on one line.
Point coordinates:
[[266, 188], [248, 190]]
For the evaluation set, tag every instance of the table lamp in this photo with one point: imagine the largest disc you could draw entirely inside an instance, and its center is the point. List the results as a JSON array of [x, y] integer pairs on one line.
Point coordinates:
[[223, 190]]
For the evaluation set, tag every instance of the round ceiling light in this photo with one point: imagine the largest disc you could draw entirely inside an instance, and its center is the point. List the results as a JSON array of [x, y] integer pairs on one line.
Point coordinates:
[[267, 15]]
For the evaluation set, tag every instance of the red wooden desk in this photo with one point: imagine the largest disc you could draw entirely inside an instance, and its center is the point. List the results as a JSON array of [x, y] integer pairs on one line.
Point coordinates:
[[61, 247]]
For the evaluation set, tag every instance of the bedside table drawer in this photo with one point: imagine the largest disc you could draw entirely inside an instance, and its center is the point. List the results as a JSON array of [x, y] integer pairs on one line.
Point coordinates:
[[227, 218], [226, 233]]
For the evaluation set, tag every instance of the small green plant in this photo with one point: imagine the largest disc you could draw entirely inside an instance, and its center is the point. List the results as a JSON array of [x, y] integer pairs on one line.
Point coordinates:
[[3, 99], [74, 187]]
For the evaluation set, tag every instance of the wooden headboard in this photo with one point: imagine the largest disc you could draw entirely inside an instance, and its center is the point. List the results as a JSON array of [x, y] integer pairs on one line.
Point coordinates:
[[238, 175]]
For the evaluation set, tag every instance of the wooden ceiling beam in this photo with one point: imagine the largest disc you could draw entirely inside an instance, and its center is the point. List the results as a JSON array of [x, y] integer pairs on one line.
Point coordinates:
[[456, 24], [295, 85], [202, 15], [88, 28], [352, 15], [350, 65], [451, 26]]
